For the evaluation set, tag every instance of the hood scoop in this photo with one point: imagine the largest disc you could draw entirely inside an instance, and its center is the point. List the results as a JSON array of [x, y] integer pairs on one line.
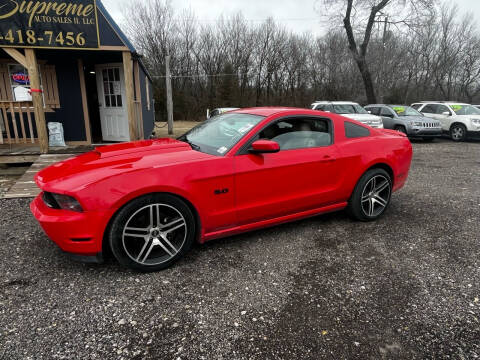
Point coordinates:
[[159, 145]]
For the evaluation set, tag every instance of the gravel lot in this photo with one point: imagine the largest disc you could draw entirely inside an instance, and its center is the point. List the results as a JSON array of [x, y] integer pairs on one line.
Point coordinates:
[[407, 286]]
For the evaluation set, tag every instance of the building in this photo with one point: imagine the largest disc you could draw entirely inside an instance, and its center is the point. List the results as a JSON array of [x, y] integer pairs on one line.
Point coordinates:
[[69, 62]]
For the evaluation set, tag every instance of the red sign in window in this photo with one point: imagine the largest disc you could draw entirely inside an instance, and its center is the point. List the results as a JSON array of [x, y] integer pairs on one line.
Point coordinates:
[[21, 78]]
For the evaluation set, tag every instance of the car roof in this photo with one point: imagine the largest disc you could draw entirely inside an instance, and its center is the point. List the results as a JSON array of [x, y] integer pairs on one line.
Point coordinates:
[[336, 102], [226, 108], [271, 110], [442, 102]]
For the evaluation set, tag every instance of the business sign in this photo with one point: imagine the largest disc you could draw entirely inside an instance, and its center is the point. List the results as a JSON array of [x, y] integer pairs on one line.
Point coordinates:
[[21, 78], [49, 24]]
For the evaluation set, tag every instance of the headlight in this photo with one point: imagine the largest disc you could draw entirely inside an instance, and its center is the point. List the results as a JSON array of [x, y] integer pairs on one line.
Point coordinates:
[[475, 121], [417, 123], [59, 201]]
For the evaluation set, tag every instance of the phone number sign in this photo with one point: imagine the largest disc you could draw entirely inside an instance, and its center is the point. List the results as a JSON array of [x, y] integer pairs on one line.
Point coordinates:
[[49, 24]]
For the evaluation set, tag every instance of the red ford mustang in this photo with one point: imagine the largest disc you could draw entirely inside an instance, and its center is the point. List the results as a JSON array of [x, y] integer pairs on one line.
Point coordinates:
[[148, 201]]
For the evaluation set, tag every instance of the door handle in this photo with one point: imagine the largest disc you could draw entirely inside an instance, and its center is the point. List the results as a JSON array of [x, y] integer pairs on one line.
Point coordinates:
[[328, 158]]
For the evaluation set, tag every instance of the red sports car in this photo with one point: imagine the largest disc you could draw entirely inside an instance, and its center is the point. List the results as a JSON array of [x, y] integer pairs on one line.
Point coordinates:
[[148, 201]]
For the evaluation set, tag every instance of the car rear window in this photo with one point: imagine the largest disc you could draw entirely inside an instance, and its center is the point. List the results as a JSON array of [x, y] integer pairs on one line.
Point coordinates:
[[353, 131]]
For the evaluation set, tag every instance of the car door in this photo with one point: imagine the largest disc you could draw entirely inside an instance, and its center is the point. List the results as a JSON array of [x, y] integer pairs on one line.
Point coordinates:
[[444, 115], [387, 117], [302, 176]]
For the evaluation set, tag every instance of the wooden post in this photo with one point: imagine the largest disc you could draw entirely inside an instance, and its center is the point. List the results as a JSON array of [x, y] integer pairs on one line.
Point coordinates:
[[138, 99], [169, 95], [130, 94], [37, 99], [83, 89]]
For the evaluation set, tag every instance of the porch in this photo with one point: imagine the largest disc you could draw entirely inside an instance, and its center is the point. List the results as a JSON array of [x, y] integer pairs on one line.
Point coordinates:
[[14, 153]]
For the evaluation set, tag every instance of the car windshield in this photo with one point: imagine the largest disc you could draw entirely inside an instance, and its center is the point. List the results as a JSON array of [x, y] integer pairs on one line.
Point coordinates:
[[405, 110], [465, 109], [218, 135], [349, 109]]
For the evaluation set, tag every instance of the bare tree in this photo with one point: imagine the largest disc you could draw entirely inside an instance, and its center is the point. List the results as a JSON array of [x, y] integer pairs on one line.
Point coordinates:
[[406, 51], [359, 18]]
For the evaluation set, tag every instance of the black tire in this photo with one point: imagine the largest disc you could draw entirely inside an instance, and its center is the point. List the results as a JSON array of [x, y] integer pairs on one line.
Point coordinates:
[[158, 245], [358, 207], [458, 132], [428, 139], [401, 128]]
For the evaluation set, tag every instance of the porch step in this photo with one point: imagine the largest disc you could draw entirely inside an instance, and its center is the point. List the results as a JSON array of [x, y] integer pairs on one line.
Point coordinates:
[[25, 187], [16, 159]]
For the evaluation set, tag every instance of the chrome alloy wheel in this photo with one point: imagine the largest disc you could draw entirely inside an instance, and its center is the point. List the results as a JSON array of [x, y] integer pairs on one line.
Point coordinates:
[[154, 234], [376, 195], [458, 133]]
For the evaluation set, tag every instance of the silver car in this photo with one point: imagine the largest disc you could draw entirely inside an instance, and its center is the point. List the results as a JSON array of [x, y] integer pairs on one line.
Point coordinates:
[[407, 120]]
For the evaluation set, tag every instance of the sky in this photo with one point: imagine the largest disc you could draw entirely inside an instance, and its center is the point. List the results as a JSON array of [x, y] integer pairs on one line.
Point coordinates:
[[299, 16]]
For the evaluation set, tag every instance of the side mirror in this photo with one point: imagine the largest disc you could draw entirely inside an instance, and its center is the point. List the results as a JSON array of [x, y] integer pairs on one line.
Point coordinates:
[[369, 111], [264, 147], [447, 113]]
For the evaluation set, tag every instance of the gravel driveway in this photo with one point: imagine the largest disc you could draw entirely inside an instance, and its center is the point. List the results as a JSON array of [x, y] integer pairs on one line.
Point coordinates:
[[407, 286]]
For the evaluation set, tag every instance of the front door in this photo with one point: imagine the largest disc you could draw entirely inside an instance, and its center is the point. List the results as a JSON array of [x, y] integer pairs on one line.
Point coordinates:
[[304, 175], [111, 99]]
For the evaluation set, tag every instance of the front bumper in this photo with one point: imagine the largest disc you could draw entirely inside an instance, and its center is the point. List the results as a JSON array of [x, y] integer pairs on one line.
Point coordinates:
[[473, 134], [76, 233], [425, 132]]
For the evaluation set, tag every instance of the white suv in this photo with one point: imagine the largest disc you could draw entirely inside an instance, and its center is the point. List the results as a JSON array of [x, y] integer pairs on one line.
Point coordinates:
[[351, 110], [458, 119]]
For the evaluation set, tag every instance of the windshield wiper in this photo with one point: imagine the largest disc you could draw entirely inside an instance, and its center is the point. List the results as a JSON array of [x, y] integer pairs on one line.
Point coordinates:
[[193, 145]]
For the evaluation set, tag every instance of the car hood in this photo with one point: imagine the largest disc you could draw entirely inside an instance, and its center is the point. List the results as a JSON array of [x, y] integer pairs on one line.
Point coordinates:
[[362, 117], [111, 160], [468, 116]]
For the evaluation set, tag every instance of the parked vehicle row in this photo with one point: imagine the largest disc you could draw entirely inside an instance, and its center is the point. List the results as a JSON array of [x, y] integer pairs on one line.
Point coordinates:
[[425, 120], [459, 120]]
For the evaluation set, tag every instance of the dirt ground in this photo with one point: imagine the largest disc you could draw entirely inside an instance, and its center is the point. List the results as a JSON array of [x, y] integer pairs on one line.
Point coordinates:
[[404, 287]]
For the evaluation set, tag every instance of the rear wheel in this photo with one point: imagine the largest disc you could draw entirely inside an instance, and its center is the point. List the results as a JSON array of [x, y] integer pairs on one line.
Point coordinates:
[[371, 195], [458, 132], [152, 232]]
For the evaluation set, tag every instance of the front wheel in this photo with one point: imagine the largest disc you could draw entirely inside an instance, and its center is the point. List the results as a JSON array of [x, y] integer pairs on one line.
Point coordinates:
[[401, 129], [152, 232], [458, 132], [371, 195]]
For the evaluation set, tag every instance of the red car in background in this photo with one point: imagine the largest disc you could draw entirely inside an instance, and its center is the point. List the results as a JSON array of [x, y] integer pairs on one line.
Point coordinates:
[[148, 201]]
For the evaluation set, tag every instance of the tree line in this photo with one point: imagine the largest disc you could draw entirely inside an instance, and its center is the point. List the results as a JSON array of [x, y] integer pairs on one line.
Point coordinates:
[[233, 62]]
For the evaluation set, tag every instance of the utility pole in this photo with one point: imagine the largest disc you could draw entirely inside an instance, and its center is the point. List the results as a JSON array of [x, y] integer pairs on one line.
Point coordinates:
[[168, 79]]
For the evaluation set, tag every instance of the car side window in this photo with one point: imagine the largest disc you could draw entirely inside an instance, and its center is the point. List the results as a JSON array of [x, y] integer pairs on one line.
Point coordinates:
[[430, 109], [374, 110], [299, 133], [441, 109], [386, 112], [353, 131], [416, 106], [320, 107]]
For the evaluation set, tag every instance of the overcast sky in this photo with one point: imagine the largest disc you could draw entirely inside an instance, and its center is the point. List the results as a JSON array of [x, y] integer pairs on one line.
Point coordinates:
[[299, 15]]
